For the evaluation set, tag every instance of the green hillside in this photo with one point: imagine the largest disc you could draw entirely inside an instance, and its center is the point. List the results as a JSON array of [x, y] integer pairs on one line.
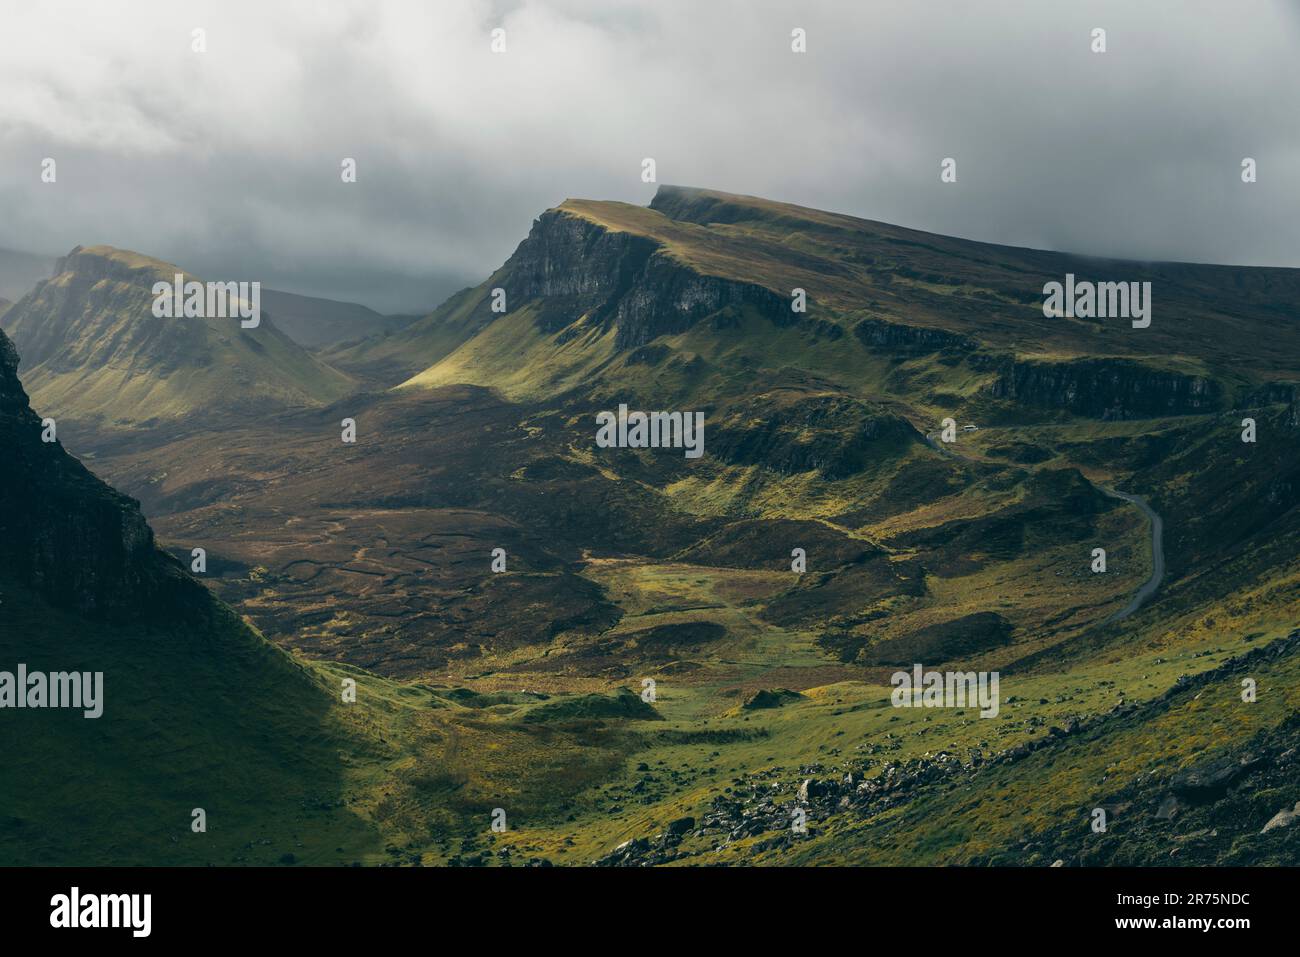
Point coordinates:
[[636, 568], [92, 350], [599, 287]]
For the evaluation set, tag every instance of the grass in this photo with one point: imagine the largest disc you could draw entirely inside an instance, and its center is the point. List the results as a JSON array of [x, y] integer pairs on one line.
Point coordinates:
[[93, 351], [218, 720], [521, 691]]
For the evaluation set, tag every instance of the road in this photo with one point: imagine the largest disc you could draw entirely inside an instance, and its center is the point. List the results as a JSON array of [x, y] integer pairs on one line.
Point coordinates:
[[1143, 594], [1157, 553]]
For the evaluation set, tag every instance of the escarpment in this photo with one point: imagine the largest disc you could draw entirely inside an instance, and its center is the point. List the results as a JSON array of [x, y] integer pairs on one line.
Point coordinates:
[[633, 282], [899, 338], [65, 534], [1103, 388]]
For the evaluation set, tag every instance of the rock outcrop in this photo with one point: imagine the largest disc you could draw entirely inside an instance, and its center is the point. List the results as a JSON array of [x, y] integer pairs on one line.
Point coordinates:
[[1104, 388], [78, 543], [582, 268], [899, 339]]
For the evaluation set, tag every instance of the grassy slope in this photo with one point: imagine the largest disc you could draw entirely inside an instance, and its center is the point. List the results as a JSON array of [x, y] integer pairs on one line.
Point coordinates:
[[218, 720], [93, 350], [437, 759], [383, 360]]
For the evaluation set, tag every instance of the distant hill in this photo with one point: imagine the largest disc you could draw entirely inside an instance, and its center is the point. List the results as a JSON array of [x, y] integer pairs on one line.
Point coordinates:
[[92, 350], [312, 322]]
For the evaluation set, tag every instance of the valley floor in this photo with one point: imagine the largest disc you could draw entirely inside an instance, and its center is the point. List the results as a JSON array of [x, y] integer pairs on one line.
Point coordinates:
[[473, 702]]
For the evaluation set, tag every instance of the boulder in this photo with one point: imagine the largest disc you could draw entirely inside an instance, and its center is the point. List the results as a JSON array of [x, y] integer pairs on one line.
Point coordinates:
[[1282, 818]]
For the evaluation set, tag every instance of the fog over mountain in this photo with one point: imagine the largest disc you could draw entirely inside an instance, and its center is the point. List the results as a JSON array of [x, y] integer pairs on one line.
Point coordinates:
[[229, 160]]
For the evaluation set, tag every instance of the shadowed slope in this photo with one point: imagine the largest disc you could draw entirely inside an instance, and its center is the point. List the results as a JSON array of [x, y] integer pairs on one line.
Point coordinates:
[[198, 710]]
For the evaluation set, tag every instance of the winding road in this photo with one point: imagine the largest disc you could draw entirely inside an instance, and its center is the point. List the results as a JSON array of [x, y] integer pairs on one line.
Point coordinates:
[[1143, 594], [1157, 553]]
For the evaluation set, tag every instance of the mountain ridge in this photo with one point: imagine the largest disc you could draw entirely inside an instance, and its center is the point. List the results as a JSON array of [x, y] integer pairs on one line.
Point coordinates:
[[93, 350], [825, 537], [588, 267]]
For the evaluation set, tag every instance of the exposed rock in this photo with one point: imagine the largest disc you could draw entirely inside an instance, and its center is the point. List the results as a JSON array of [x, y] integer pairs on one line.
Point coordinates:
[[897, 338], [1211, 780], [1104, 388], [1282, 818], [618, 278], [78, 543]]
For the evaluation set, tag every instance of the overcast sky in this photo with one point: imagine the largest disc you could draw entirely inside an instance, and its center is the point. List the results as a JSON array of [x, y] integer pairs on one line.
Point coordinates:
[[228, 161]]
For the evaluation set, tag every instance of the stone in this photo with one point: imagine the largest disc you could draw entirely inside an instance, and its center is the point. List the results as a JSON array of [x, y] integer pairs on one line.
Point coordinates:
[[1282, 818]]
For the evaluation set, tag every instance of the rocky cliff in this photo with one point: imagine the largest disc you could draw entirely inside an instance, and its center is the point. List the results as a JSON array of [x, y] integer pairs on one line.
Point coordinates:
[[68, 536], [633, 282], [1103, 388], [896, 338]]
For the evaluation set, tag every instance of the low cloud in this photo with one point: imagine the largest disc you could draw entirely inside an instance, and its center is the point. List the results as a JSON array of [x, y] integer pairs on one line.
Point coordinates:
[[228, 161]]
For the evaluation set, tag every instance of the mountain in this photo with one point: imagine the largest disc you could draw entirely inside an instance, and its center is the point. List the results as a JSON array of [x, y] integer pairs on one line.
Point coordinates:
[[312, 322], [94, 352], [595, 282], [197, 709], [631, 568]]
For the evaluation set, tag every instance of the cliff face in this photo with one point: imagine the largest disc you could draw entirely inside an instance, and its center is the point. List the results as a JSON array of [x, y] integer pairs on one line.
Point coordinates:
[[897, 338], [581, 267], [1104, 388], [68, 536]]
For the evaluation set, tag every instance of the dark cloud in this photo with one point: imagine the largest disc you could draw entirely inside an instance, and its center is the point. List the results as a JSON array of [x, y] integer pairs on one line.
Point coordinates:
[[228, 161]]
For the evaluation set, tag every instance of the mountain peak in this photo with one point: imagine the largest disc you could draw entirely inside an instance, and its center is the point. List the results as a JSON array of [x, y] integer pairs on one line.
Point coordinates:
[[92, 348], [103, 262]]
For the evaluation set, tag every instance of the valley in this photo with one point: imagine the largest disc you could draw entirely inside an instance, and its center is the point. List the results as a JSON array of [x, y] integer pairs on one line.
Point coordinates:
[[526, 689]]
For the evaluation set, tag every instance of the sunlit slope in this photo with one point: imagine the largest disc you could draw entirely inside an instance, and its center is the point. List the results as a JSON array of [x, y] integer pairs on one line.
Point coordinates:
[[599, 286], [92, 350], [383, 360]]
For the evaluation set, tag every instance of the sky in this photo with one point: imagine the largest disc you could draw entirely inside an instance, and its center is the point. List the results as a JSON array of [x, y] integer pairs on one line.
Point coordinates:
[[228, 161]]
